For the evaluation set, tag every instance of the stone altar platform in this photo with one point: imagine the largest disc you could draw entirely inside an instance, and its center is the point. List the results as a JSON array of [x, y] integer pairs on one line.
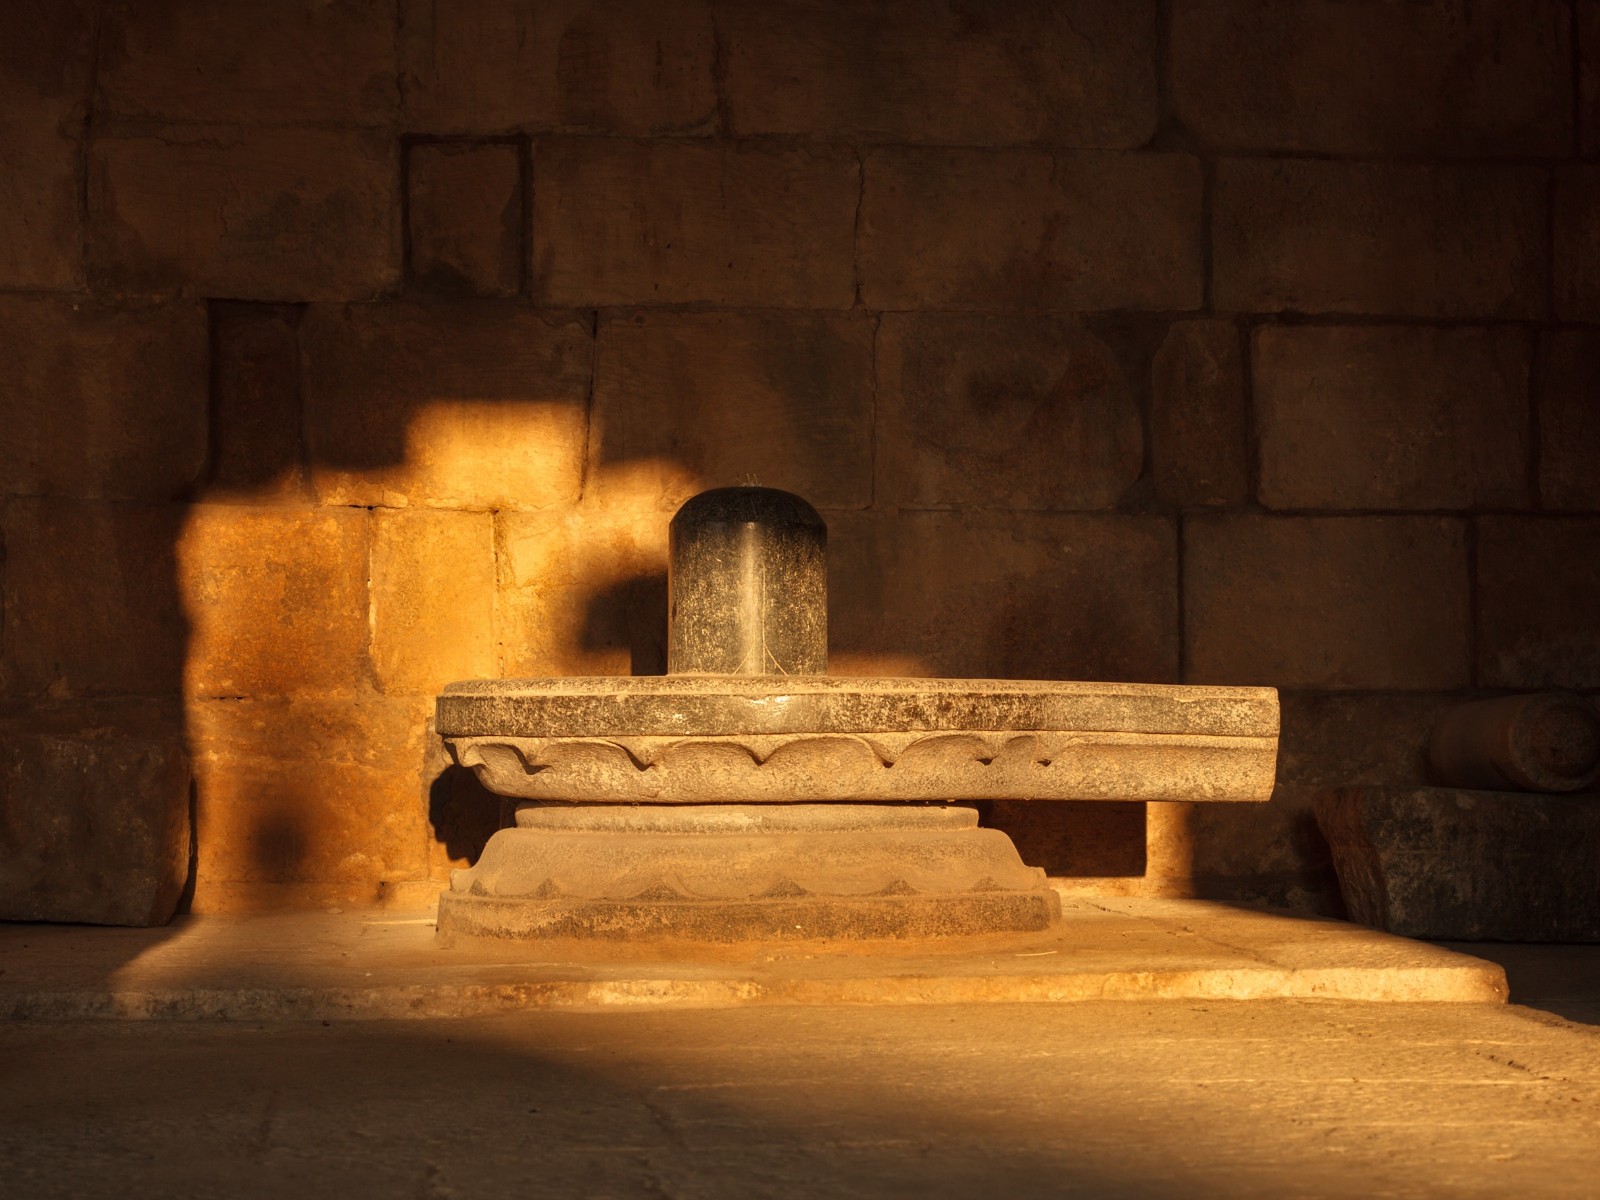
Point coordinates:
[[753, 797], [382, 965], [727, 807]]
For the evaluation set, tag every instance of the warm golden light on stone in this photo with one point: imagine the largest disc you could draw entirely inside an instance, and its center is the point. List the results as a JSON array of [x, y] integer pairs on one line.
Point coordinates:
[[353, 350]]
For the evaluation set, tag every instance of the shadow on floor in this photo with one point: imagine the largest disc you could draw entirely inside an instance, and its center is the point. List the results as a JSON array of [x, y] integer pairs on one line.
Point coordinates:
[[1112, 1100], [1564, 980]]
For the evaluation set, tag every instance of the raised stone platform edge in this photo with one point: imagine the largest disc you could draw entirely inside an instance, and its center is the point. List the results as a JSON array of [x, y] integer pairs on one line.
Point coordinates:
[[372, 965]]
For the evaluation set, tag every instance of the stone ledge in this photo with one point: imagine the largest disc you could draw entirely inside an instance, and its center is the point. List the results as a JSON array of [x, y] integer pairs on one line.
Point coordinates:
[[369, 965], [717, 705]]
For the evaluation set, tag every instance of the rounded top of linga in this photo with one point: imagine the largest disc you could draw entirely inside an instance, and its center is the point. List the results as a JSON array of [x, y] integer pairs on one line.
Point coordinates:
[[747, 504], [747, 585]]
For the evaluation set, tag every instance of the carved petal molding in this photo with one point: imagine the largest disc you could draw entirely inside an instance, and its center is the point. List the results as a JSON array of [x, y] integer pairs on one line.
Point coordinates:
[[881, 766]]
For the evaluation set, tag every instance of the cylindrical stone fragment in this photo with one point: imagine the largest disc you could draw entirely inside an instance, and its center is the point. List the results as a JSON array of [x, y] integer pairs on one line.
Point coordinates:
[[747, 585], [1543, 742]]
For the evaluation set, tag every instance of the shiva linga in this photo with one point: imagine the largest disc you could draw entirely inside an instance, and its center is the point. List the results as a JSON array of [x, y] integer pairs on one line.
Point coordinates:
[[748, 795]]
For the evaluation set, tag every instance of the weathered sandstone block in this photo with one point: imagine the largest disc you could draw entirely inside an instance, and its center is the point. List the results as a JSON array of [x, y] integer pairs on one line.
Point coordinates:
[[101, 401], [1197, 415], [1034, 595], [278, 600], [465, 208], [673, 222], [986, 229], [1588, 34], [1467, 865], [1538, 592], [252, 214], [1390, 417], [323, 793], [1577, 243], [1398, 239], [1336, 78], [709, 399], [94, 814], [41, 230], [256, 412], [45, 52], [1569, 419], [193, 60], [433, 586], [1004, 412], [460, 406], [1080, 73], [641, 67], [1326, 602], [91, 598]]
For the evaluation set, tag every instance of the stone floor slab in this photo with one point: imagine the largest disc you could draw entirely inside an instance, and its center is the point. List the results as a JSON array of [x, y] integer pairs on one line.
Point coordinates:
[[1169, 1101]]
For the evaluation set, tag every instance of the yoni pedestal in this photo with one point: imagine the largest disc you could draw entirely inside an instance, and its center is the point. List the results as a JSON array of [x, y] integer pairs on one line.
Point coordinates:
[[747, 795]]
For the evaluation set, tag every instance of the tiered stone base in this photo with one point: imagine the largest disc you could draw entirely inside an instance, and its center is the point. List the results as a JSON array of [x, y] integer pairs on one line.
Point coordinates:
[[745, 872], [489, 917]]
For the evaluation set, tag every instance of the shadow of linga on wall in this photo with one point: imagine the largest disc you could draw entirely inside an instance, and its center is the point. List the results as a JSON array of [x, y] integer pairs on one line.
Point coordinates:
[[631, 615]]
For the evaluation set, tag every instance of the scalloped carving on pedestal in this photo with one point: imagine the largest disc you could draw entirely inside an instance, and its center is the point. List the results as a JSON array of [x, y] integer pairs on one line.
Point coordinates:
[[783, 768]]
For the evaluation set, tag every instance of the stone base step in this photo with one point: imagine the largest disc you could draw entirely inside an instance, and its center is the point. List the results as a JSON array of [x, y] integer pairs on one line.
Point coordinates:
[[490, 918], [731, 872]]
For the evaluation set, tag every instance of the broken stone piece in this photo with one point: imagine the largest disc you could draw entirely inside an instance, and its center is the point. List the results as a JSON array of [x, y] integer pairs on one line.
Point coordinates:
[[1543, 742], [1467, 865]]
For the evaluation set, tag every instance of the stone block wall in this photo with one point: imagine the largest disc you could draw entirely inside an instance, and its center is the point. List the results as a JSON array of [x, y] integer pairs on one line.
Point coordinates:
[[354, 347]]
